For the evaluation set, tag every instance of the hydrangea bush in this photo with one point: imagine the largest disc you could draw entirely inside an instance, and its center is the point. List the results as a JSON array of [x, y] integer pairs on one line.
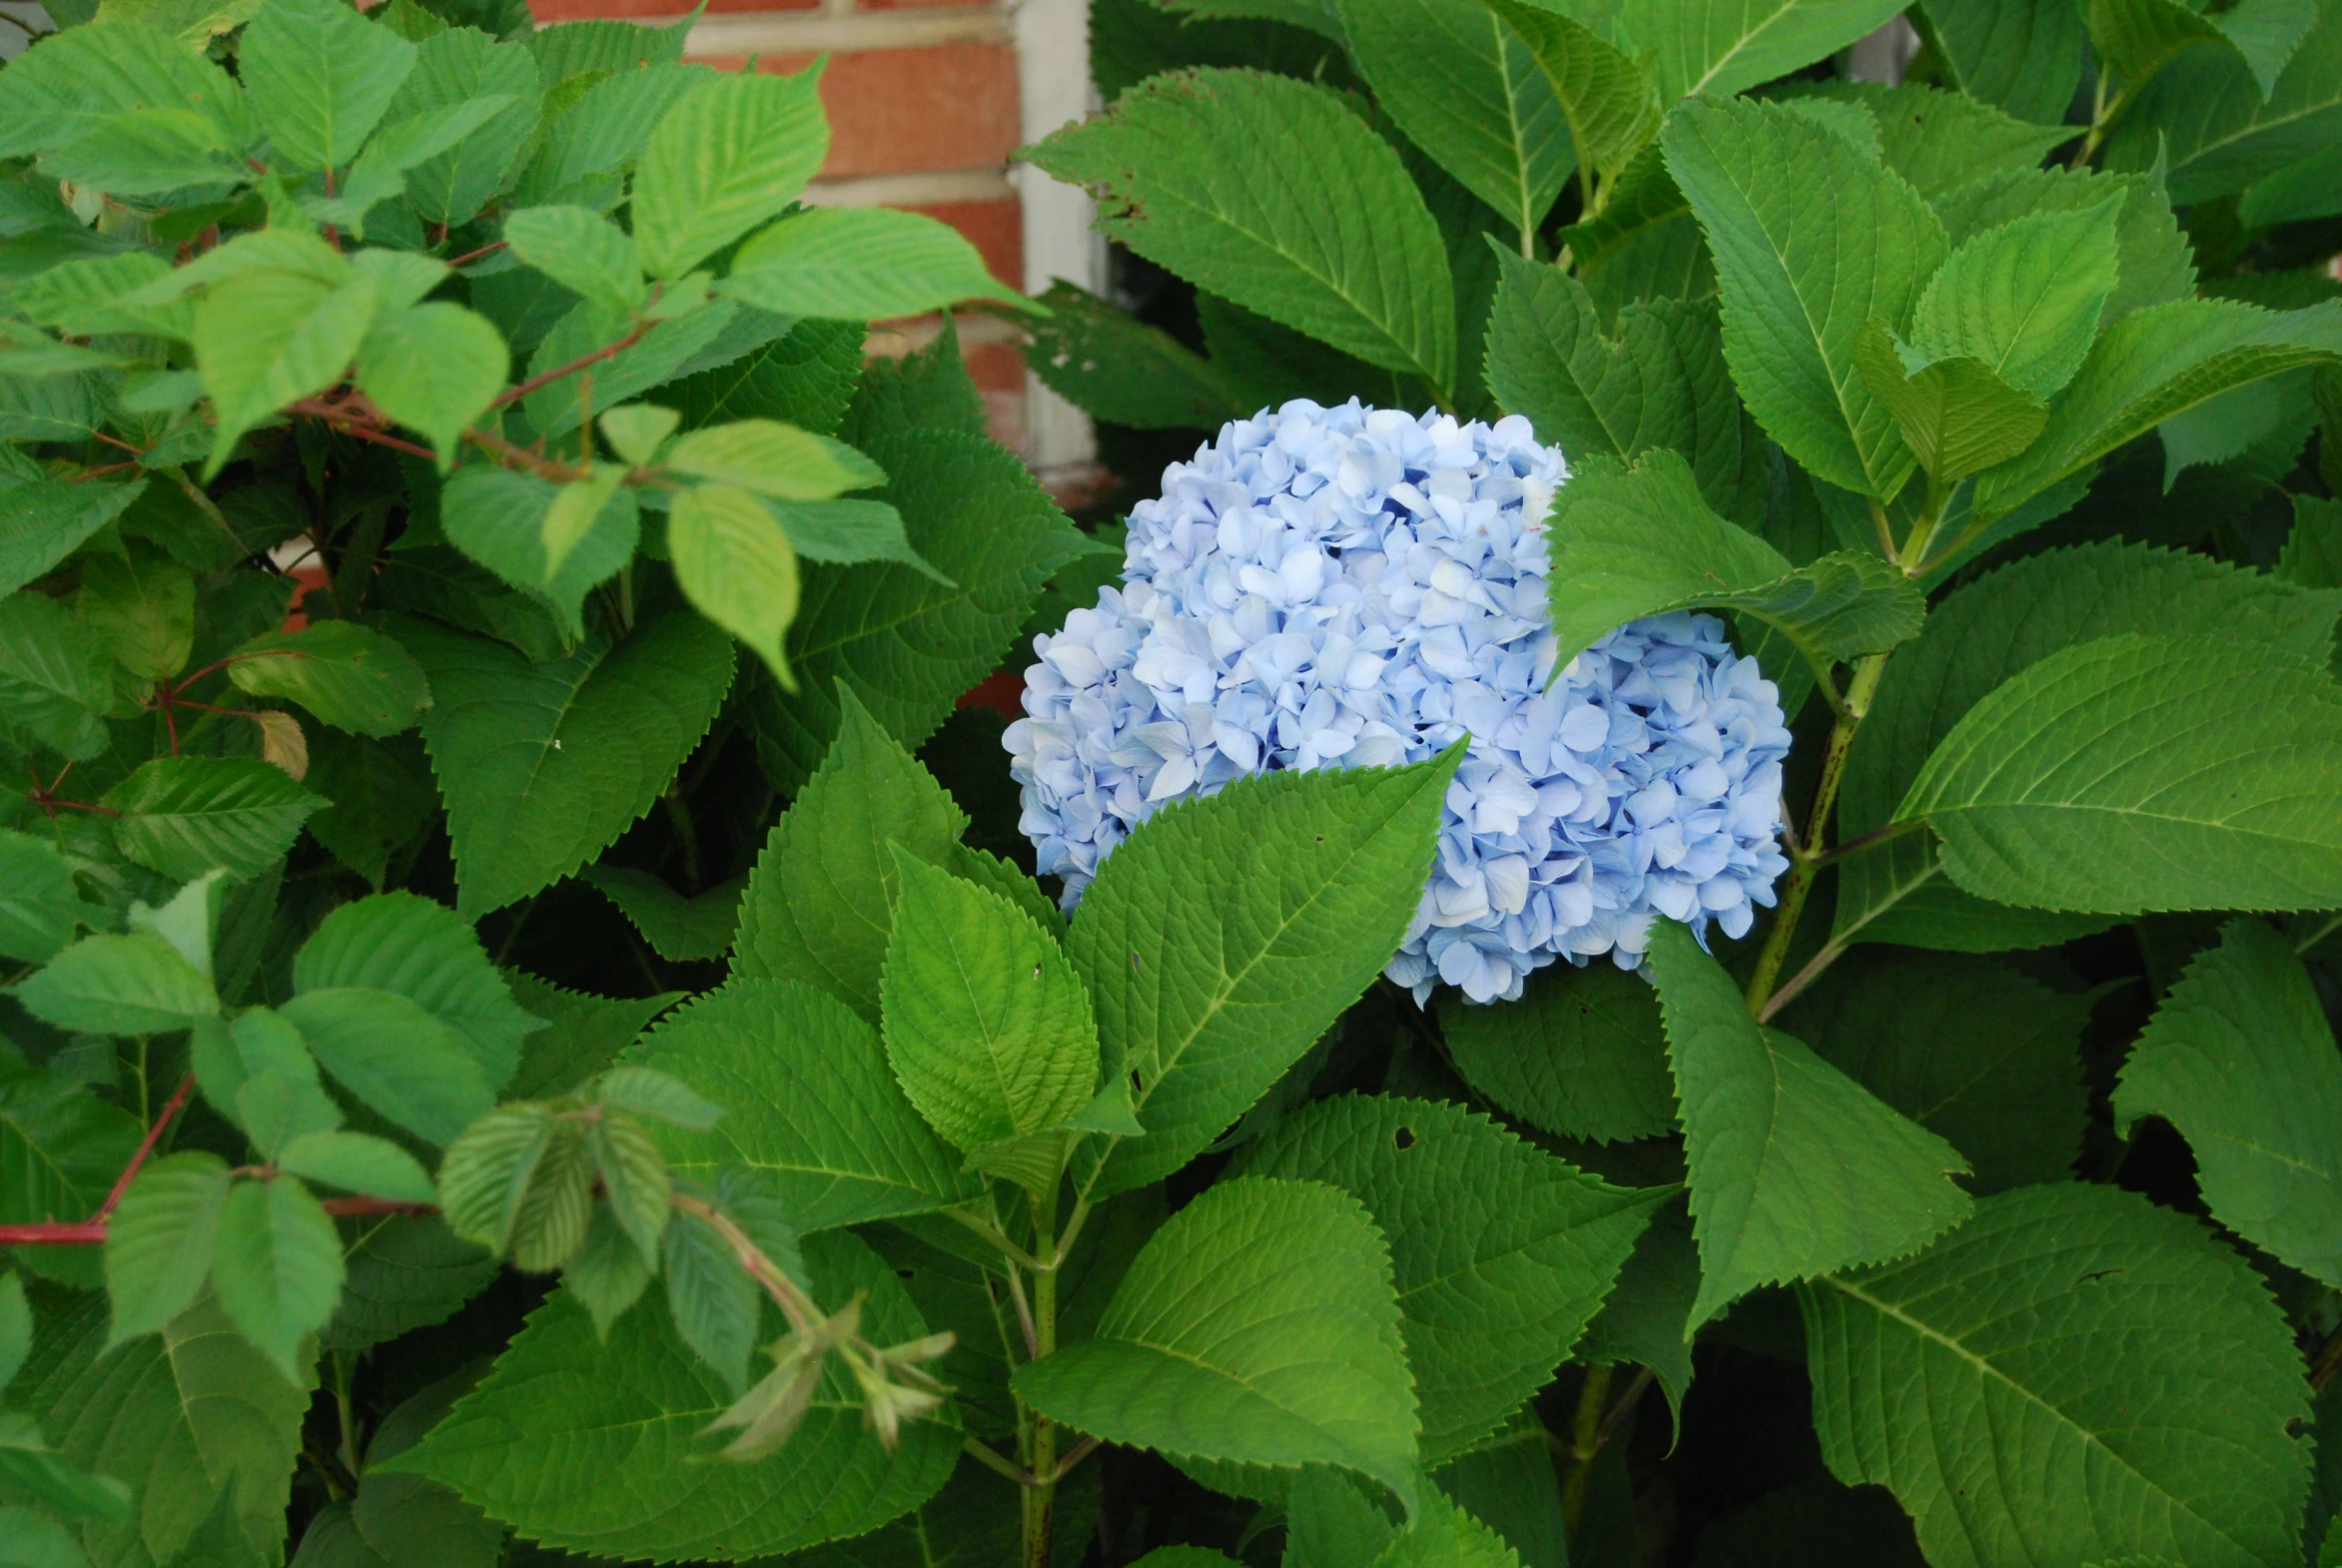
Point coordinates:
[[581, 1038], [1355, 587]]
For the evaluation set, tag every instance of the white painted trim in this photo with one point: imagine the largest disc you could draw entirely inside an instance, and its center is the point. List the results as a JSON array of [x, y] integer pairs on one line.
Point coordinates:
[[1053, 73], [743, 33], [913, 190]]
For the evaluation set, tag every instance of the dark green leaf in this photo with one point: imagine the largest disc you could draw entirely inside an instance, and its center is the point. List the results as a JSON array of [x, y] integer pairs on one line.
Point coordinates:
[[1581, 1053], [184, 816], [398, 1058]]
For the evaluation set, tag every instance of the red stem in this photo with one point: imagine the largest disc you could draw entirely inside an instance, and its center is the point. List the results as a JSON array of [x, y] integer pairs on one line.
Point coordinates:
[[122, 1182], [473, 256], [348, 426], [574, 366]]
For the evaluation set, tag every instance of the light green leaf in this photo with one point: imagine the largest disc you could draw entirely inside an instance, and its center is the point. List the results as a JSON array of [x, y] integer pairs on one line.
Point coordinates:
[[391, 1053], [633, 1178], [426, 953], [486, 1177], [1445, 1536], [811, 1103], [1629, 543], [1956, 415], [820, 903], [1118, 369], [1904, 1026], [987, 1026], [543, 765], [1580, 1054], [1610, 102], [1796, 1169], [678, 929], [2024, 56], [258, 1072], [380, 170], [184, 816], [346, 674], [642, 1090], [1721, 46], [44, 520], [187, 920], [358, 1163], [88, 73], [847, 531], [63, 1148], [1271, 192], [559, 1396], [503, 519], [456, 66], [1225, 935], [861, 264], [2137, 38], [277, 1266], [264, 338], [1811, 241], [148, 152], [1501, 1253], [40, 907], [1258, 1326], [128, 985], [907, 645], [581, 249], [320, 77], [2112, 778], [1943, 141], [1660, 382], [159, 1241], [2151, 366], [2025, 297], [203, 1419], [2241, 1060], [730, 155], [669, 350], [773, 459], [56, 678], [2030, 1330], [143, 603], [637, 431], [1467, 90], [435, 369]]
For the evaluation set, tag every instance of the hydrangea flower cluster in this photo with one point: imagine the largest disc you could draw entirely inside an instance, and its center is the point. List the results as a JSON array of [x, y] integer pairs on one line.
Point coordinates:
[[1358, 587]]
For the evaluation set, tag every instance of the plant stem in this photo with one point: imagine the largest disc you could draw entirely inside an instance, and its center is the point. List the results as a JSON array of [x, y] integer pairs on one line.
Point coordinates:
[[1040, 1436], [1585, 1443], [1808, 864]]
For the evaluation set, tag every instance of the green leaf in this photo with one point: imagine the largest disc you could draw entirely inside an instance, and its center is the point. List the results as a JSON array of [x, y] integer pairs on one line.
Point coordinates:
[[1811, 241], [585, 1033], [1225, 935], [40, 907], [2241, 1060], [2137, 38], [733, 562], [773, 459], [987, 1026], [559, 1396], [820, 903], [143, 603], [347, 675], [357, 1162], [811, 1103], [1721, 46], [1643, 1321], [1271, 192], [581, 249], [1796, 1169], [714, 1306], [44, 520], [426, 953], [1629, 543], [203, 1419], [1445, 1536], [31, 1468], [1118, 369], [803, 378], [1956, 415], [110, 985], [148, 152], [860, 264], [99, 69], [434, 369], [2025, 298], [1258, 1326], [1501, 1253], [1943, 141], [184, 816], [56, 678], [2023, 56], [2313, 549], [159, 1241], [1904, 1026], [2031, 1329], [2151, 366], [380, 170], [2110, 778], [501, 518], [277, 1266], [678, 929], [62, 1148], [2260, 426], [543, 765], [1660, 382], [258, 1072], [1580, 1054], [908, 644], [1983, 635], [458, 66], [642, 1090], [633, 1178], [395, 1056], [730, 155], [1468, 91], [511, 1166], [847, 531], [1610, 101], [264, 338], [320, 78]]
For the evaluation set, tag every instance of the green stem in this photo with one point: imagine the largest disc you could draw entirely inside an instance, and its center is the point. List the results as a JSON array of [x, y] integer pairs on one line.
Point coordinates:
[[1585, 1443], [1041, 1439], [1807, 863]]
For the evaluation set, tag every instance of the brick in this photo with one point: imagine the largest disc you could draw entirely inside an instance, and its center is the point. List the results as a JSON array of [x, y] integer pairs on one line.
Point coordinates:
[[996, 229], [580, 10], [898, 111]]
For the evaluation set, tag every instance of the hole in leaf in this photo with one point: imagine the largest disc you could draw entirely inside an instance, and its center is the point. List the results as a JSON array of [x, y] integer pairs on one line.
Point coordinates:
[[1404, 1137]]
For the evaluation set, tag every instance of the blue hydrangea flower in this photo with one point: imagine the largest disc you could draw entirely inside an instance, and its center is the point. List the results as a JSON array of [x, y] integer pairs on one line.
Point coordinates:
[[1355, 587]]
